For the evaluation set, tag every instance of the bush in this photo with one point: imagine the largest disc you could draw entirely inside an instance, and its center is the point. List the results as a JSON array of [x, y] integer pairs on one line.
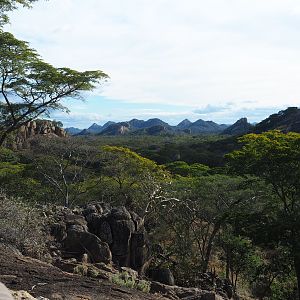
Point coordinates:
[[21, 226], [125, 279], [81, 270]]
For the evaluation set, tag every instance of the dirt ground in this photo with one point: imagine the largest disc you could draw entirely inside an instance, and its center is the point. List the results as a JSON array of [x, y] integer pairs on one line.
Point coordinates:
[[42, 279]]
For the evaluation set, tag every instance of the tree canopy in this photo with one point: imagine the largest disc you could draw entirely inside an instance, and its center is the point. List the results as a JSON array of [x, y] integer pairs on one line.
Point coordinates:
[[275, 157], [9, 5]]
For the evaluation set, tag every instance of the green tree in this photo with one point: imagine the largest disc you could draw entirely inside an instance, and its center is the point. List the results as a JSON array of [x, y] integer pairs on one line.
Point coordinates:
[[274, 276], [9, 5], [275, 157], [204, 208], [240, 256], [29, 87], [184, 169], [138, 180]]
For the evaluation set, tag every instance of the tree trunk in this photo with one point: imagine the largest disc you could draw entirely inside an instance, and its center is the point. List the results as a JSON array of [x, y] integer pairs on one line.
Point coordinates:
[[210, 247], [227, 265], [297, 269]]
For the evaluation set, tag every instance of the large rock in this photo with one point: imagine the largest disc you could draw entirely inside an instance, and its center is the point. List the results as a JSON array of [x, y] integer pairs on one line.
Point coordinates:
[[139, 249], [123, 231], [97, 228], [80, 242], [162, 275]]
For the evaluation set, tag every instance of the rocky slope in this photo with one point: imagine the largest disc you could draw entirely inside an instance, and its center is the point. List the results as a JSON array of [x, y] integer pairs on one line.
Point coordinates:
[[285, 120], [38, 278], [100, 243]]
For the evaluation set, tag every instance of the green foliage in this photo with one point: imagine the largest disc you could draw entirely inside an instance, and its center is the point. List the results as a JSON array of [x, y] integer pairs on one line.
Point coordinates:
[[81, 270], [65, 169], [284, 288], [204, 149], [202, 208], [275, 157], [9, 5], [7, 155], [129, 178], [241, 256], [273, 273], [126, 280], [14, 180], [184, 169]]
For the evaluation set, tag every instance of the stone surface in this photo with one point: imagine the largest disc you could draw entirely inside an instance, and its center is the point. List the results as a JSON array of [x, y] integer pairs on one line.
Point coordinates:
[[176, 292], [23, 273], [162, 275], [97, 228], [80, 242], [123, 231]]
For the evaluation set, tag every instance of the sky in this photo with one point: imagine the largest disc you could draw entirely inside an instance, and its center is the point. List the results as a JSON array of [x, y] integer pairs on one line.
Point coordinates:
[[214, 60]]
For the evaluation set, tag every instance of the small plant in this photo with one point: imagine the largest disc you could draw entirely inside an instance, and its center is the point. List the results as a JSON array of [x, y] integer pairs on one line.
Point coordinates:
[[93, 272], [126, 280], [143, 285], [81, 270]]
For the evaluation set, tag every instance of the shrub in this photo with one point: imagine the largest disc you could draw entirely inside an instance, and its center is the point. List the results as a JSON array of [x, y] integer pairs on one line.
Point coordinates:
[[81, 270], [143, 285], [126, 280], [21, 226]]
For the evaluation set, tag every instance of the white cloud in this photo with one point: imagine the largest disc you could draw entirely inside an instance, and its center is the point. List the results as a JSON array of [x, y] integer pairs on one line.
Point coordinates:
[[192, 53]]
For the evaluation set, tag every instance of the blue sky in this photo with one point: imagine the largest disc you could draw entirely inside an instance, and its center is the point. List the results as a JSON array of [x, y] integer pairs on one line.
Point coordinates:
[[215, 60]]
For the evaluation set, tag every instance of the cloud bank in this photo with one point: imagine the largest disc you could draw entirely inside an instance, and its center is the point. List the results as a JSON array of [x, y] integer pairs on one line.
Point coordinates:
[[195, 54]]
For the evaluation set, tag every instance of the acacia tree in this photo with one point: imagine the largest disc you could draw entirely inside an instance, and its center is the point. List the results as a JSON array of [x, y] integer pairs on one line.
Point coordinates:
[[9, 5], [275, 157], [65, 165], [30, 87]]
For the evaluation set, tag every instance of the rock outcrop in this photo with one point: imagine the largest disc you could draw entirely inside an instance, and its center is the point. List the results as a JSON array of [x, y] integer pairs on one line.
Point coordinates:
[[32, 129], [104, 234]]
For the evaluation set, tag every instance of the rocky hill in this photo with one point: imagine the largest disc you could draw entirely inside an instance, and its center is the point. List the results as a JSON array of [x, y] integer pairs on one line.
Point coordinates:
[[32, 129], [116, 129], [240, 127], [285, 120]]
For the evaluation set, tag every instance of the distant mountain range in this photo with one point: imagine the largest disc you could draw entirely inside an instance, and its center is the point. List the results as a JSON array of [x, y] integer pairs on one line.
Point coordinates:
[[285, 120], [152, 127]]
